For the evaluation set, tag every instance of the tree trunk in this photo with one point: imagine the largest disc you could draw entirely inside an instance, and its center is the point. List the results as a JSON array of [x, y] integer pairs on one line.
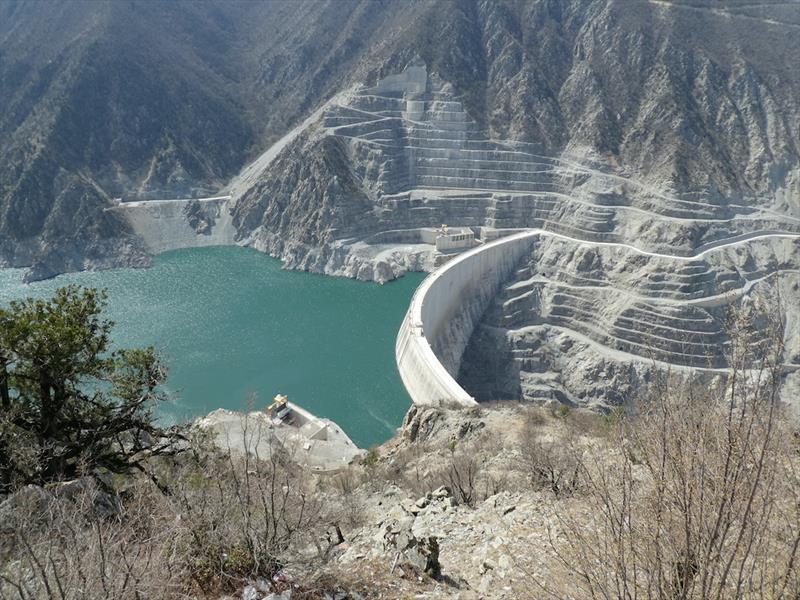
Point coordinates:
[[48, 463], [5, 398], [6, 469]]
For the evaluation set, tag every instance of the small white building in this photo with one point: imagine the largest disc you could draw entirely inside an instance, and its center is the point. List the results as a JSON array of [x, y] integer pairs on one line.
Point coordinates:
[[454, 238]]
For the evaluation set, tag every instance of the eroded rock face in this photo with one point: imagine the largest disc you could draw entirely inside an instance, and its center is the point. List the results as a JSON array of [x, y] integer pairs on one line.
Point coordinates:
[[200, 218], [420, 423]]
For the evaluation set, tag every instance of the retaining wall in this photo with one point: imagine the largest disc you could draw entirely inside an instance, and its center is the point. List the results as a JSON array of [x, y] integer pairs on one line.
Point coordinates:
[[163, 224], [443, 315]]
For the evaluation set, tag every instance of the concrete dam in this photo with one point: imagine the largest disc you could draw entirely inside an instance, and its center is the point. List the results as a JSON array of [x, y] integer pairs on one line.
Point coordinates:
[[575, 280], [520, 318], [597, 289]]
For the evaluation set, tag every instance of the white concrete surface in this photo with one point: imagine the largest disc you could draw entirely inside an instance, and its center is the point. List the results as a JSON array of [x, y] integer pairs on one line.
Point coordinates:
[[443, 314], [318, 444], [413, 80]]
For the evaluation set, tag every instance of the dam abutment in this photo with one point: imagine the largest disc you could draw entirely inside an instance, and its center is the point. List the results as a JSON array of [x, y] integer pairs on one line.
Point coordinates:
[[443, 314]]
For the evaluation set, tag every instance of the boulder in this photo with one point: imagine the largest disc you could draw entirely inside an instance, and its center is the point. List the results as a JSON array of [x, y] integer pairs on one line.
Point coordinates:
[[422, 553]]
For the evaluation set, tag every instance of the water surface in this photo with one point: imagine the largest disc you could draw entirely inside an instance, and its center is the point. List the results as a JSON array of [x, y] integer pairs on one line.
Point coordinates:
[[231, 323]]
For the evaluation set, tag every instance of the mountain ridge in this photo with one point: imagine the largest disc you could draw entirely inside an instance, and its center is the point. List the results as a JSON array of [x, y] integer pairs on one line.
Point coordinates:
[[152, 100]]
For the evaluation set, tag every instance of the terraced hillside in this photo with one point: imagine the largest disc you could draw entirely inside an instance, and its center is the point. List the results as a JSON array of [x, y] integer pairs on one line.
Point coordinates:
[[621, 275], [583, 323], [379, 165]]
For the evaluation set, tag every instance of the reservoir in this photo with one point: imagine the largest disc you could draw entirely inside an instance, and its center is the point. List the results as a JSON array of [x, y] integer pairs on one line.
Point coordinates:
[[232, 325]]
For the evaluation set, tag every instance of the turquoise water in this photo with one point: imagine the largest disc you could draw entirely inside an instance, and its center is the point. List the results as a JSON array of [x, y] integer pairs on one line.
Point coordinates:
[[231, 323]]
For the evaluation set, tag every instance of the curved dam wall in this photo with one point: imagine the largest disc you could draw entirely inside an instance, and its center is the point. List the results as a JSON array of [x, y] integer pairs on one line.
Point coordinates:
[[443, 315]]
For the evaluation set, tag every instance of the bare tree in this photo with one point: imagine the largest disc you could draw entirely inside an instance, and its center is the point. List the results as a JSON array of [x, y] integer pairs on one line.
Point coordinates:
[[232, 517], [701, 498], [242, 526], [63, 547], [462, 475]]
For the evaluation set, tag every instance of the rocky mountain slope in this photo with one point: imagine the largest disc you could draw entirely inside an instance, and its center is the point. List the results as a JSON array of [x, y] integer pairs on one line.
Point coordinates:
[[143, 100], [97, 108], [694, 98], [683, 100]]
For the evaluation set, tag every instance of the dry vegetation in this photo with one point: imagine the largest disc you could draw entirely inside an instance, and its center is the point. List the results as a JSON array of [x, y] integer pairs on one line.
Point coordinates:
[[227, 520], [691, 493], [690, 498], [697, 495]]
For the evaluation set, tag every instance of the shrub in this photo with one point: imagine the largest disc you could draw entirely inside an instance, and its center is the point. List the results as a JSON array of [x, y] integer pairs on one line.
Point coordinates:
[[372, 457], [699, 495], [68, 404]]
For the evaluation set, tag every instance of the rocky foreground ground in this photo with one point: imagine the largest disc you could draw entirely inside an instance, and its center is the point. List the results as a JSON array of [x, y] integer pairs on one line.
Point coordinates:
[[454, 506], [460, 504], [485, 546], [501, 501]]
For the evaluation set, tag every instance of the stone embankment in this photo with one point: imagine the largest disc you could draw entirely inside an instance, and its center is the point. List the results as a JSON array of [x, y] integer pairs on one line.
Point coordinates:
[[181, 223]]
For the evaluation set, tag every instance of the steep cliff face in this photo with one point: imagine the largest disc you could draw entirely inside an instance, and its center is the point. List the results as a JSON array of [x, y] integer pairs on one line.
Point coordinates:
[[590, 325], [308, 195]]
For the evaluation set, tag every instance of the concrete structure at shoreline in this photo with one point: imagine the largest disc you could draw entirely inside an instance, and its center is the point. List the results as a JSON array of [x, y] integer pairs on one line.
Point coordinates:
[[181, 223], [313, 442]]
